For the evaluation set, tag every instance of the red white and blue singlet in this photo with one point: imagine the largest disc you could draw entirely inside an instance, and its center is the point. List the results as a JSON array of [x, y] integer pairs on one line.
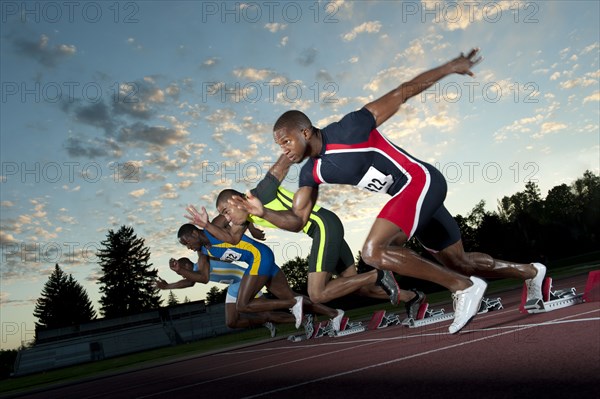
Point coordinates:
[[354, 152]]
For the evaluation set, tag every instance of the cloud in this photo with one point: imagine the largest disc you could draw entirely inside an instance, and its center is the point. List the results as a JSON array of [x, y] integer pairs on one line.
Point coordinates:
[[138, 193], [549, 127], [365, 27], [97, 115], [6, 238], [307, 56], [254, 74], [591, 48], [592, 97], [132, 42], [42, 52], [209, 62], [275, 27], [588, 79], [92, 148]]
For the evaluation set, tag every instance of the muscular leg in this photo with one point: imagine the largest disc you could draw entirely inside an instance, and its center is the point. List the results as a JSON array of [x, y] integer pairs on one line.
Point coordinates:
[[234, 319], [249, 287], [322, 289], [280, 288], [375, 291], [482, 265], [378, 252]]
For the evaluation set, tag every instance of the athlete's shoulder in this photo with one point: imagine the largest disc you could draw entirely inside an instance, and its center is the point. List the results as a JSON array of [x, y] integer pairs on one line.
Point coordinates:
[[212, 239], [356, 122], [306, 177]]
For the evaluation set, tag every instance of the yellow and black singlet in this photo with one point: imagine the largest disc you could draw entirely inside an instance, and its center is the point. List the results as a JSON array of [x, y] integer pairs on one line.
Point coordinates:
[[329, 251]]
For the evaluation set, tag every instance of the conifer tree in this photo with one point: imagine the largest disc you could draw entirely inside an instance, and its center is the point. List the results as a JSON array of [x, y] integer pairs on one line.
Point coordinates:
[[127, 283], [63, 302]]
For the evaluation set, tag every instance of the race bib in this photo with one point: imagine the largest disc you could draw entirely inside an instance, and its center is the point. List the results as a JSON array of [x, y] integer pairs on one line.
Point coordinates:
[[375, 181], [230, 256]]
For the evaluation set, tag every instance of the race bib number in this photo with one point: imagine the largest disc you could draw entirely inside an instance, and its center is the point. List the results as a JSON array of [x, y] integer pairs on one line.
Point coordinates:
[[375, 181], [230, 256]]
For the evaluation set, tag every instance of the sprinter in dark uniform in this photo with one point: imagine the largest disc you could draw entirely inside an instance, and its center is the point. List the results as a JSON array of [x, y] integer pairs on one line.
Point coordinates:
[[353, 151]]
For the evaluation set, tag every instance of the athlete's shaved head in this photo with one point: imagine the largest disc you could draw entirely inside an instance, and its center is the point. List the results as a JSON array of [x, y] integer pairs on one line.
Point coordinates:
[[292, 119], [186, 230], [226, 195], [186, 263]]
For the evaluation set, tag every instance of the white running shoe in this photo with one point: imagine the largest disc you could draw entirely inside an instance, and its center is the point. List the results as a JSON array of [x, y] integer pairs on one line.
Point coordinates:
[[271, 327], [297, 311], [466, 304], [534, 285], [336, 322]]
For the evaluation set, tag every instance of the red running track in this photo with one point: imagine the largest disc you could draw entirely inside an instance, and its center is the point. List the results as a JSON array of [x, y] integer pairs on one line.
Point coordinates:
[[501, 354]]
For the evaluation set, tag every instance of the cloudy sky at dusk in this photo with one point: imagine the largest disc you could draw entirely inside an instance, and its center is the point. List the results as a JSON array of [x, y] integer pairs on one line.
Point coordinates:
[[121, 113]]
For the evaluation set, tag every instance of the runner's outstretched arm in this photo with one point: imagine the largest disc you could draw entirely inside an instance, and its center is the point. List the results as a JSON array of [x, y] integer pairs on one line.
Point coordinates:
[[387, 105]]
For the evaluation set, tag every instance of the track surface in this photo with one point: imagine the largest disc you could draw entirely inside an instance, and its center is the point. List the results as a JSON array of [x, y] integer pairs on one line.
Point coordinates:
[[501, 354]]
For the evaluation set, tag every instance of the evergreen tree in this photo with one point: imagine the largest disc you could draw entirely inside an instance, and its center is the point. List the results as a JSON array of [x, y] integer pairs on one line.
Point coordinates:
[[127, 283], [63, 302], [215, 295], [172, 300]]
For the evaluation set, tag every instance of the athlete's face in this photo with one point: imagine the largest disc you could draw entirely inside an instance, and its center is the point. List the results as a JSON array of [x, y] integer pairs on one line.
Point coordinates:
[[194, 241], [293, 142], [232, 213]]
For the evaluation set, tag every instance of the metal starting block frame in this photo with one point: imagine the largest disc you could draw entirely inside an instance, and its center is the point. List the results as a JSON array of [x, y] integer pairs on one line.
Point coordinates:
[[353, 328], [488, 304], [437, 316], [558, 299]]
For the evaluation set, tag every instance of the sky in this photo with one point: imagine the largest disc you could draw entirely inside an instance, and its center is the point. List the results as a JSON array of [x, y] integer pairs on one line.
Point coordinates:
[[123, 113]]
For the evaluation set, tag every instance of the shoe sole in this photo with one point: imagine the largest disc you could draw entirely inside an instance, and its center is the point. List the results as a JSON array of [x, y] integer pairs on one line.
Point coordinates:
[[397, 301]]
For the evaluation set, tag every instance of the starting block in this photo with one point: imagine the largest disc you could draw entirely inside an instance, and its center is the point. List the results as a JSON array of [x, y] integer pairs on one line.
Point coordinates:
[[352, 328], [323, 328], [436, 316], [431, 317], [592, 287], [488, 304], [551, 300], [379, 320]]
